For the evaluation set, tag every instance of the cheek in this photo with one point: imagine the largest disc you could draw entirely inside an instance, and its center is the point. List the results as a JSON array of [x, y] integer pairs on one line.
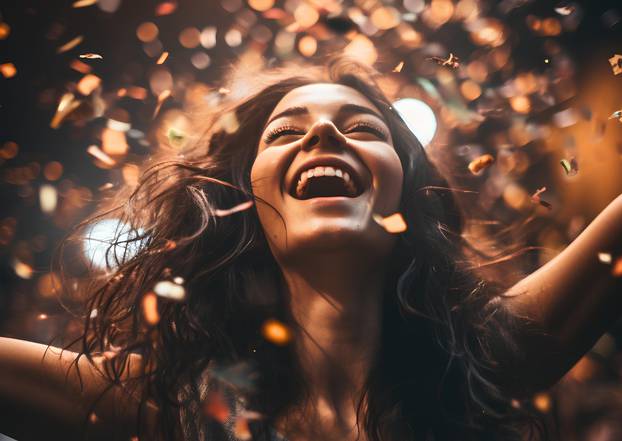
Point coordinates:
[[388, 176]]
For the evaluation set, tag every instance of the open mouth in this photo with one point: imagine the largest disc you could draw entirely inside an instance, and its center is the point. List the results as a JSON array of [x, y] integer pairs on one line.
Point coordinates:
[[325, 181]]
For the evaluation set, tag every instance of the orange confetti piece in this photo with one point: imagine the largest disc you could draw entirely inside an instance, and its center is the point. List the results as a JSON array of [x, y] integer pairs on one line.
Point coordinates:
[[67, 104], [70, 44], [392, 224], [84, 3], [114, 142], [88, 84], [216, 407], [241, 429], [616, 270], [150, 308], [91, 56], [165, 8], [8, 70], [399, 67], [535, 198], [98, 154], [241, 207], [224, 91], [276, 332], [480, 163], [162, 58], [80, 66], [161, 98], [616, 64]]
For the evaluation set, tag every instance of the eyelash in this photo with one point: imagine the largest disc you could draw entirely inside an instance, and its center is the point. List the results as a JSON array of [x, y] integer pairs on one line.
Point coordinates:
[[291, 130]]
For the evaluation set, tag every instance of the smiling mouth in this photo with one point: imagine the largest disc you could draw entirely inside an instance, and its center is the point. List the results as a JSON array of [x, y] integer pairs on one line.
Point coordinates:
[[327, 181]]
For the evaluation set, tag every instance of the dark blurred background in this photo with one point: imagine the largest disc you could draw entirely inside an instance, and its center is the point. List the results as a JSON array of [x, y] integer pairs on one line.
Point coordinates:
[[90, 89]]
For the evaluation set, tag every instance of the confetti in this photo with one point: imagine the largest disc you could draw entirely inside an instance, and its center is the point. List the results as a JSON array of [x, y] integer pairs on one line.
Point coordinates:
[[616, 270], [535, 198], [616, 115], [66, 105], [604, 257], [393, 224], [88, 84], [616, 64], [170, 290], [92, 56], [452, 61], [150, 308], [215, 406], [224, 91], [241, 207], [70, 45], [164, 95], [80, 66], [22, 269], [162, 58], [48, 198], [570, 166], [175, 137], [165, 8], [8, 70], [42, 317], [399, 67], [276, 332], [480, 163], [565, 10], [84, 3], [98, 154], [542, 402], [241, 429]]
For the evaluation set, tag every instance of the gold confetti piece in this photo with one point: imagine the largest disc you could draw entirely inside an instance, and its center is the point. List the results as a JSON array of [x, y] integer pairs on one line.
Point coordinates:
[[119, 126], [67, 104], [91, 56], [241, 207], [84, 3], [70, 45], [480, 163], [98, 154], [48, 198], [215, 406], [565, 10], [570, 167], [224, 91], [114, 142], [88, 84], [452, 61], [8, 70], [616, 115], [542, 402], [164, 95], [604, 257], [80, 66], [106, 186], [241, 429], [22, 269], [276, 332], [42, 317], [162, 58], [616, 270], [150, 308], [399, 67], [616, 64], [535, 198], [392, 224], [170, 290]]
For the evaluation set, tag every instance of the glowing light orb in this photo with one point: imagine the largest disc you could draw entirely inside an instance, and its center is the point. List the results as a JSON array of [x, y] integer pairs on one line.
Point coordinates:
[[110, 242], [419, 118]]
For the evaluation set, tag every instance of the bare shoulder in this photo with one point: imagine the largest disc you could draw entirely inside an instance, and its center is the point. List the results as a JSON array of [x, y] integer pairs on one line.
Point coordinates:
[[44, 389]]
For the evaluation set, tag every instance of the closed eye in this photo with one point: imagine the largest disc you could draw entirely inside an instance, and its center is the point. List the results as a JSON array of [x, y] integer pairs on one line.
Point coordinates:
[[368, 128], [273, 134]]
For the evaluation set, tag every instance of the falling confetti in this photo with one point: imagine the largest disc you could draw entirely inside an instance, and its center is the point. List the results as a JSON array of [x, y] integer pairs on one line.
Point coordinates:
[[452, 61], [70, 44], [535, 198], [399, 67], [570, 166], [91, 56], [616, 64], [241, 207], [215, 406], [393, 224], [84, 3], [98, 154], [67, 104], [150, 308], [604, 257], [164, 95], [162, 58], [170, 290], [241, 429], [276, 332], [22, 269], [565, 10], [616, 115], [480, 163]]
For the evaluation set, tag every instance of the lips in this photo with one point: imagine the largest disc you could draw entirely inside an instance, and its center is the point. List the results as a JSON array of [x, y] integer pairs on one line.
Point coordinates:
[[326, 176]]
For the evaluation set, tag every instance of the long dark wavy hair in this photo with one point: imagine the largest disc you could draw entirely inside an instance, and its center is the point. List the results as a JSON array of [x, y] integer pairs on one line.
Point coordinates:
[[446, 337]]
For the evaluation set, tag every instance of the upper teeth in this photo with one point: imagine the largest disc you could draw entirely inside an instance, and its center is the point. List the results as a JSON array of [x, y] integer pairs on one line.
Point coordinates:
[[324, 171]]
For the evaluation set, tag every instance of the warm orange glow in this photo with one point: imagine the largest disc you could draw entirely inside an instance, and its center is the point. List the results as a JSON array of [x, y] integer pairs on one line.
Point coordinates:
[[307, 45], [520, 104], [147, 32], [470, 90], [276, 332]]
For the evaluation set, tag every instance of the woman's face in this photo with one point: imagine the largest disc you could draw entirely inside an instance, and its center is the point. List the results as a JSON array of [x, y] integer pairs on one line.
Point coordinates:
[[326, 163]]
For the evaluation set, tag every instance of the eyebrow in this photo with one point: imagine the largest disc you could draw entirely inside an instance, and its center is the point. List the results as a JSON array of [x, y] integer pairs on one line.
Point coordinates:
[[346, 109]]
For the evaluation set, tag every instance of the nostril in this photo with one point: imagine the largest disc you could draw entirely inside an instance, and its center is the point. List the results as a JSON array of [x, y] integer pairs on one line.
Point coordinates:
[[313, 140]]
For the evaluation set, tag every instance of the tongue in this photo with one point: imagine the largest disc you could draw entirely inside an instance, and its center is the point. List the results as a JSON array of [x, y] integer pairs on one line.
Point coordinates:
[[325, 186]]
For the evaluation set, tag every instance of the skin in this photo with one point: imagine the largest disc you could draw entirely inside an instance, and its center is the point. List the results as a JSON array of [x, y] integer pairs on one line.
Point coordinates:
[[331, 256]]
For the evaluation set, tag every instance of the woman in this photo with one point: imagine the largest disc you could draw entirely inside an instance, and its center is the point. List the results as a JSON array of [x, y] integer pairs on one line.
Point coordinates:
[[389, 336]]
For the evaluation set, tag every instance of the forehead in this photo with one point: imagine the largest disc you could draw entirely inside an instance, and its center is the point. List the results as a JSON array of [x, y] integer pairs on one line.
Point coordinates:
[[322, 97]]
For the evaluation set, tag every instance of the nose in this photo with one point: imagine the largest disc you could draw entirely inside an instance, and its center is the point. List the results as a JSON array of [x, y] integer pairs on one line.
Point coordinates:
[[323, 134]]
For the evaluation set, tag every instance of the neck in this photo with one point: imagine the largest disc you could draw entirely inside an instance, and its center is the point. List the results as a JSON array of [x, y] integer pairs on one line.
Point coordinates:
[[337, 301]]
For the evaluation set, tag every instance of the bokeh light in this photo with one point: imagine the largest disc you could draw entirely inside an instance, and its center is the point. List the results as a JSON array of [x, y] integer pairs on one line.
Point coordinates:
[[110, 242], [419, 118]]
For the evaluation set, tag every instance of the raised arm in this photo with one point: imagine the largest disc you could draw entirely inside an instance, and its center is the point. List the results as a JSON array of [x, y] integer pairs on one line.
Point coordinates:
[[574, 299], [41, 395]]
